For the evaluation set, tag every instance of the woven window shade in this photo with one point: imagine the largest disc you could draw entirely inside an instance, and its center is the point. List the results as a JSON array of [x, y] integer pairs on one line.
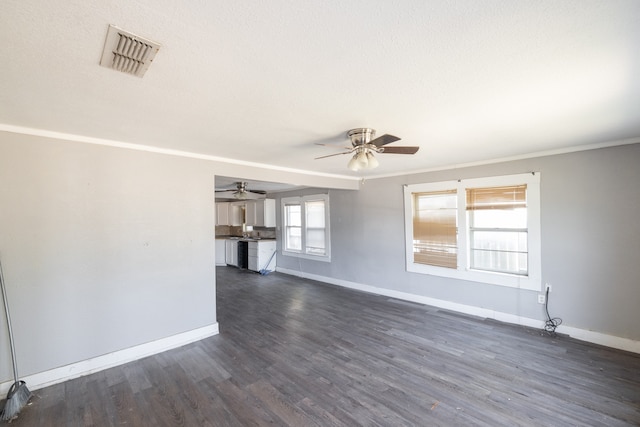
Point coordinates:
[[510, 197], [435, 228]]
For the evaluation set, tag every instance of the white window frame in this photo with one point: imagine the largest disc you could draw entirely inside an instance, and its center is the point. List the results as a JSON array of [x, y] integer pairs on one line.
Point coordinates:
[[532, 281], [327, 232]]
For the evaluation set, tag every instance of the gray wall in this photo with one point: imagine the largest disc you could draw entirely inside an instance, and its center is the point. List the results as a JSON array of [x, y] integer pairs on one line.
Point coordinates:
[[107, 248], [590, 241], [102, 249]]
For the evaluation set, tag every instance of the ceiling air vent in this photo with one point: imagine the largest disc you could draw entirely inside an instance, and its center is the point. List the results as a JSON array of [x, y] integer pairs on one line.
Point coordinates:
[[127, 52]]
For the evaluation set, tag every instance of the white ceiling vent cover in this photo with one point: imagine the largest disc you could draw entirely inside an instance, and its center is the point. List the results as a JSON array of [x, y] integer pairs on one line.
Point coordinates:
[[126, 52]]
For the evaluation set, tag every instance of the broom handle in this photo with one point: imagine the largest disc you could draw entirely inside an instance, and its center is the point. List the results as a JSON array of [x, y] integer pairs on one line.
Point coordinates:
[[6, 312]]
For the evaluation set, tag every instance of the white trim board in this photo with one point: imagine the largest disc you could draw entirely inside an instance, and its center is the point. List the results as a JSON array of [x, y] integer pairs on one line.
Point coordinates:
[[120, 144], [581, 334], [151, 149], [96, 364]]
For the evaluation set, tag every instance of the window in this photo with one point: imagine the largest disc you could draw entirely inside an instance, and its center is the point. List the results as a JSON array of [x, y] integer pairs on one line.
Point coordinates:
[[435, 225], [315, 242], [498, 229], [485, 229], [306, 227]]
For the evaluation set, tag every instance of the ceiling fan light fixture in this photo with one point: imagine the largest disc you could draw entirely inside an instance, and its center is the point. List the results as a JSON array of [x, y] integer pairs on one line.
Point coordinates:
[[241, 192], [361, 158], [372, 162], [354, 165], [364, 148]]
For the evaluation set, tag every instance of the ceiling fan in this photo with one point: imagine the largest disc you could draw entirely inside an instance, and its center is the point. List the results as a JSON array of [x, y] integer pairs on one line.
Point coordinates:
[[363, 147], [241, 192]]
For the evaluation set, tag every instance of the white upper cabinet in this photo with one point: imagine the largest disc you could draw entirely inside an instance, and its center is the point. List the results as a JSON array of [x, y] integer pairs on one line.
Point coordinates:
[[257, 213], [236, 213], [222, 213], [261, 213], [229, 213], [250, 213]]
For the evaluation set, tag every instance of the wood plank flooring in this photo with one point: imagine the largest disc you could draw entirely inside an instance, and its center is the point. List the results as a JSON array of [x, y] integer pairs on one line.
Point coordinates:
[[294, 352]]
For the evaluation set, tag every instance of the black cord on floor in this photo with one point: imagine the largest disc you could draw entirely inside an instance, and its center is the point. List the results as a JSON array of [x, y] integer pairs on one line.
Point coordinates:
[[552, 323]]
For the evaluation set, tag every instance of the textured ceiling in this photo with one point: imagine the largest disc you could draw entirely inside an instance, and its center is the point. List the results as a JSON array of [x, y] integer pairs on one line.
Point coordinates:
[[467, 81]]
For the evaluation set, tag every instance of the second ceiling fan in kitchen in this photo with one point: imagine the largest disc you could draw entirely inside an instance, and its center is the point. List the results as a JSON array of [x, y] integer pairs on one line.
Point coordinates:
[[241, 192], [364, 145]]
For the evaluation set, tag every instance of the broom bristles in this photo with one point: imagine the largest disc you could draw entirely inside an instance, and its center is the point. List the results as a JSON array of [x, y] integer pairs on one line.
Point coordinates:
[[17, 398]]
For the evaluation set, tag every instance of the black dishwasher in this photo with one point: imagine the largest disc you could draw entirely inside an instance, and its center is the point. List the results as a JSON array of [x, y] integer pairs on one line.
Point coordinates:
[[243, 254]]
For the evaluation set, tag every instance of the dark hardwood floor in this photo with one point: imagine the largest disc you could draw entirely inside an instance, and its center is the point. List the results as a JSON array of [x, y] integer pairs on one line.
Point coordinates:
[[294, 352]]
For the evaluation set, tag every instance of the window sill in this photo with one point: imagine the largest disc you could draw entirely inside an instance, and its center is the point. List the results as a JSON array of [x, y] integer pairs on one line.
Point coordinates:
[[500, 279]]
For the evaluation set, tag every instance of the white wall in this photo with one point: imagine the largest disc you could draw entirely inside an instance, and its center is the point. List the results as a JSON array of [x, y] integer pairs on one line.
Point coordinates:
[[103, 249], [590, 242]]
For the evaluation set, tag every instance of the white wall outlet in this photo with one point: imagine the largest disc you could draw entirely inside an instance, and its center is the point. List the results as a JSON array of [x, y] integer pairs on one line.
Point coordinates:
[[540, 299], [547, 286]]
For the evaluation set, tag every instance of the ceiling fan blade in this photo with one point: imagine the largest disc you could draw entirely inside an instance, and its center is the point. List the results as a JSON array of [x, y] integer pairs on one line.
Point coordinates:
[[400, 150], [384, 140], [341, 145], [331, 155]]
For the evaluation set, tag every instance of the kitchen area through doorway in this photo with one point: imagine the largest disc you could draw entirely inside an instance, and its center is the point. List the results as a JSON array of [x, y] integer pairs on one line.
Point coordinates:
[[246, 223]]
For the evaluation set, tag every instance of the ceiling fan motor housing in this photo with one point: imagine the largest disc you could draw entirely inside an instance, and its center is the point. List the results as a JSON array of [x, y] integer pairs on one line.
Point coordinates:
[[361, 136]]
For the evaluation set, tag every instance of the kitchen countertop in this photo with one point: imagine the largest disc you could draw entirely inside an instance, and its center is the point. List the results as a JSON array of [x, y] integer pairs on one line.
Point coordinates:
[[245, 239]]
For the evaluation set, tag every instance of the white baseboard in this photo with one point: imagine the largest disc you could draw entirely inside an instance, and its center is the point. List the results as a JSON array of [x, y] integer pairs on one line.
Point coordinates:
[[96, 364], [581, 334]]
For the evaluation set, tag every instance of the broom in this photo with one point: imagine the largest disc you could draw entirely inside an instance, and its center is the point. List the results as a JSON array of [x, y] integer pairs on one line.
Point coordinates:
[[264, 271], [19, 394]]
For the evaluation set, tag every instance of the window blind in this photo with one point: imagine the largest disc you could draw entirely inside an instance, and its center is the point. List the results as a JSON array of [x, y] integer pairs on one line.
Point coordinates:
[[509, 197], [435, 228]]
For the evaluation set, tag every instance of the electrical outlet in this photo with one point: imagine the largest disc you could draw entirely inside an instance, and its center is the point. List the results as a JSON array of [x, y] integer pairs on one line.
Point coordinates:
[[540, 299], [547, 286]]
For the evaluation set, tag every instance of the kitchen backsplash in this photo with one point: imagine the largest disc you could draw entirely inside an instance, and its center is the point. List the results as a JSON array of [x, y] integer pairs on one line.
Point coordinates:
[[230, 230]]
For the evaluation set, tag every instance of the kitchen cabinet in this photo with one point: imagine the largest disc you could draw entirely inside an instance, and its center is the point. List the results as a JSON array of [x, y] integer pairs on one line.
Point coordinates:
[[221, 252], [229, 213], [250, 213], [231, 252], [260, 252], [236, 213], [261, 213], [257, 213], [222, 213]]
